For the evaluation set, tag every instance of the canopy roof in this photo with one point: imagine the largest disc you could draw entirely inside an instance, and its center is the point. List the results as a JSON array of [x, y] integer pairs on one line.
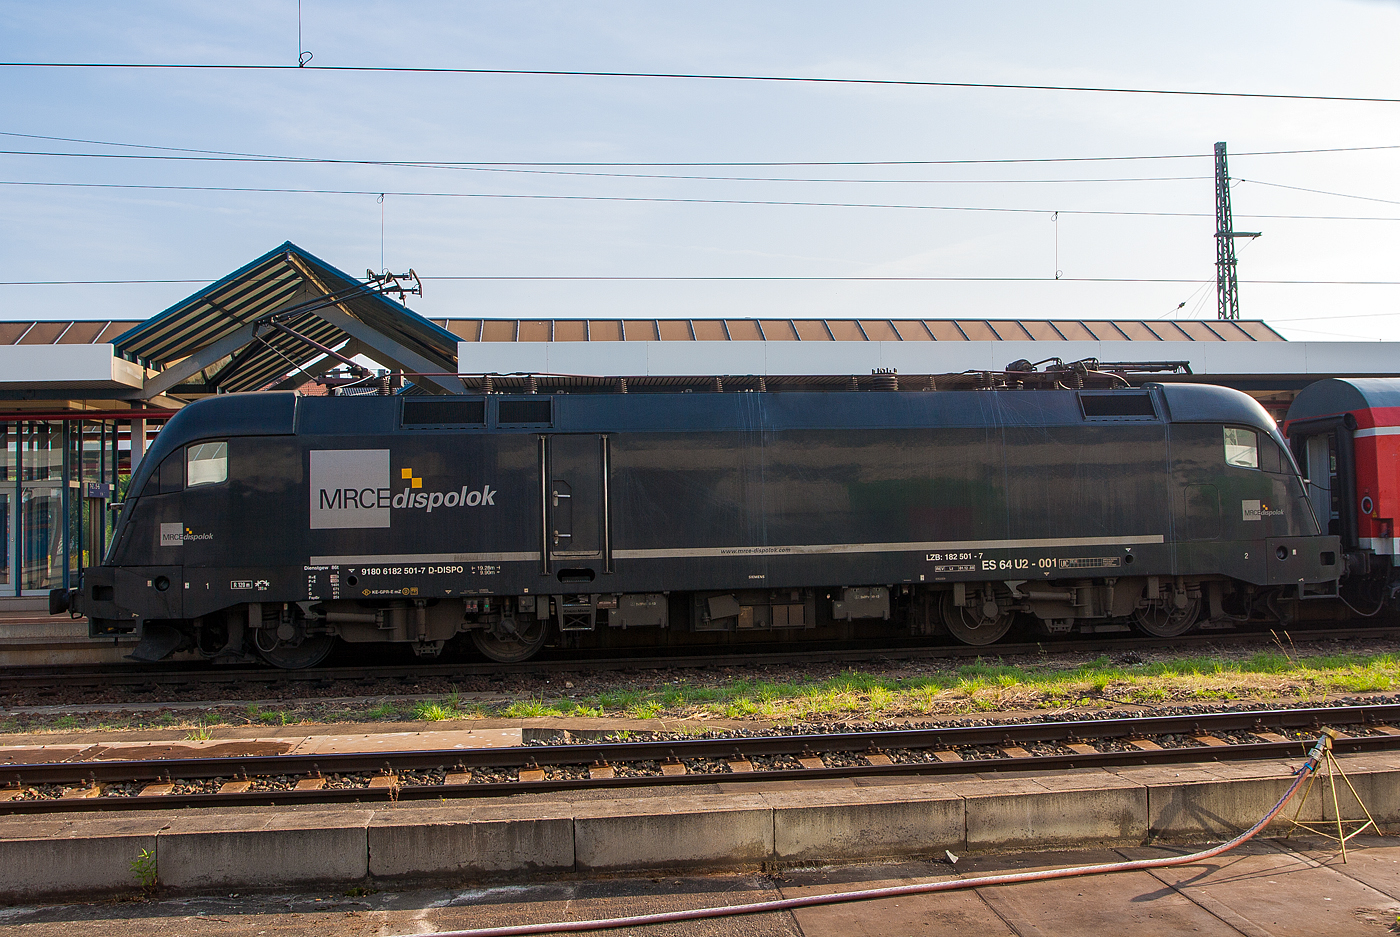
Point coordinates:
[[260, 327], [858, 330]]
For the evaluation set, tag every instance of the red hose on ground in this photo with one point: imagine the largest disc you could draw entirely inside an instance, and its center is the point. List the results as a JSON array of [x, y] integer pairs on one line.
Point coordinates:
[[785, 904]]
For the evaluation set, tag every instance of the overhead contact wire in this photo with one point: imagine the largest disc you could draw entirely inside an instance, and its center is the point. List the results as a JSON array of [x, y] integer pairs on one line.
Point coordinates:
[[697, 76], [276, 190], [725, 163]]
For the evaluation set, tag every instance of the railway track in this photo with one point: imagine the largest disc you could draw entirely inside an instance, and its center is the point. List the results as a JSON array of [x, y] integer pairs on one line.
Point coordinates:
[[13, 680], [465, 773]]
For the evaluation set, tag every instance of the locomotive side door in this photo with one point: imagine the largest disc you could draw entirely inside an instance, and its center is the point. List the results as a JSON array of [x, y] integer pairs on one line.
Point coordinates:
[[575, 497]]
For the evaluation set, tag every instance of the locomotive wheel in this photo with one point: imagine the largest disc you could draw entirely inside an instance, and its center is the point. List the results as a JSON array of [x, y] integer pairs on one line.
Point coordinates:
[[523, 644], [970, 626], [1163, 621], [310, 652]]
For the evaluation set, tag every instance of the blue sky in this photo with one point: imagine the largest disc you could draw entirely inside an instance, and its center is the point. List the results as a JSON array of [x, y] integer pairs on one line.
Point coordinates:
[[1330, 48]]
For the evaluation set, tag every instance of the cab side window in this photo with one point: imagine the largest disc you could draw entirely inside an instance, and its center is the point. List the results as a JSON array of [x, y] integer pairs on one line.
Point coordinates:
[[207, 463], [172, 473], [1241, 447]]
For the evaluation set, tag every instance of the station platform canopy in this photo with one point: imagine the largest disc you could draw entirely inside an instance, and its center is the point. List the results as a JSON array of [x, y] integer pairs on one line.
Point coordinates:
[[857, 330], [278, 322], [274, 322], [828, 353]]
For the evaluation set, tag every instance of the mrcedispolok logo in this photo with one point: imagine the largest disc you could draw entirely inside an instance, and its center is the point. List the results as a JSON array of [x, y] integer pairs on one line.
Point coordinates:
[[353, 488], [1255, 510]]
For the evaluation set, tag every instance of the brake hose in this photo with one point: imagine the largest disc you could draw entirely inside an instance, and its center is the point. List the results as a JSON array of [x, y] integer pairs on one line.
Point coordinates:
[[1314, 758]]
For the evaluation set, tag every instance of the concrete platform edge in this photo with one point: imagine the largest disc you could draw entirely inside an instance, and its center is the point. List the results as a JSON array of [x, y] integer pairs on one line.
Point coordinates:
[[710, 827]]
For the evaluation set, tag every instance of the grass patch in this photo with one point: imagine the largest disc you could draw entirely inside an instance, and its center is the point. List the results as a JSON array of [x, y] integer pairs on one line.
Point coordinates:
[[382, 711], [954, 687], [988, 685], [433, 712], [531, 708]]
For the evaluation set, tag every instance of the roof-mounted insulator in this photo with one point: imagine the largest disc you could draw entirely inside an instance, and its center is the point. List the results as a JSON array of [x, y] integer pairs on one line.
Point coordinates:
[[884, 380]]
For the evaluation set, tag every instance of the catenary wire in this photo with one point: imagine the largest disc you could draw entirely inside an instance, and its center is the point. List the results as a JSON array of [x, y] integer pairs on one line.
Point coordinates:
[[1298, 188], [795, 279], [275, 160], [692, 201], [695, 76], [728, 163]]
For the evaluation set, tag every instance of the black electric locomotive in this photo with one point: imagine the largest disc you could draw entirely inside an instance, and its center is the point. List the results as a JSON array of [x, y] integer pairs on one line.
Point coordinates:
[[274, 524]]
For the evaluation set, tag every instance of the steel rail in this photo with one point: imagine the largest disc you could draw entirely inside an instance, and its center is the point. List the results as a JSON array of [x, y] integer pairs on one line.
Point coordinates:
[[674, 751], [19, 678]]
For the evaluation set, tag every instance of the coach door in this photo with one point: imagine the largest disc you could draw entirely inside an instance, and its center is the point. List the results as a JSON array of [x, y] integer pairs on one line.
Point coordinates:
[[1325, 450], [576, 500], [1320, 468]]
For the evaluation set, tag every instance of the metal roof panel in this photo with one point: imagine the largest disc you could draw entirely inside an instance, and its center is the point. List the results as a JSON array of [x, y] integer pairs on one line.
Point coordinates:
[[278, 279]]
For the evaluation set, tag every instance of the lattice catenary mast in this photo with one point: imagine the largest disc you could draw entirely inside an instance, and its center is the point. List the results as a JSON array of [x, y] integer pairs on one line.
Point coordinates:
[[1227, 287]]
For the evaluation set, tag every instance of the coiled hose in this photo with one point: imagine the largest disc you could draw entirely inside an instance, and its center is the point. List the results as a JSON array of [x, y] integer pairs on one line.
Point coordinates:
[[785, 904]]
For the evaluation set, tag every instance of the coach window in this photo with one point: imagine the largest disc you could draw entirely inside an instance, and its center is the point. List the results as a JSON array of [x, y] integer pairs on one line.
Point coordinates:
[[1241, 447], [207, 463]]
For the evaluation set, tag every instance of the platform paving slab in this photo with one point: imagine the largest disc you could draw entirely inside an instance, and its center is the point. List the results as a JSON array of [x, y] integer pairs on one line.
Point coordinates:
[[866, 823], [408, 741], [959, 912], [682, 831], [1260, 889], [1082, 808], [1371, 860], [766, 787], [1375, 781], [301, 744], [426, 841], [200, 850], [1128, 904], [40, 754], [1219, 806], [77, 855], [1104, 906], [576, 901]]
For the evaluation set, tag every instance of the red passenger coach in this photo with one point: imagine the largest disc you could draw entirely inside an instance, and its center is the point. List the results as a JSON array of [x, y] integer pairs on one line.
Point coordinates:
[[1345, 434]]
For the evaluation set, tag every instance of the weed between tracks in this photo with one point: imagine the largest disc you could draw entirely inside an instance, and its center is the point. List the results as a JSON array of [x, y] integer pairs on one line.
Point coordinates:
[[981, 686], [892, 691]]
